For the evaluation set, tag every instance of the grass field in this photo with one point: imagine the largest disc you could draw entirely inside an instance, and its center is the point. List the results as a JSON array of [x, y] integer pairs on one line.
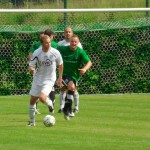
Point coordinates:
[[105, 122]]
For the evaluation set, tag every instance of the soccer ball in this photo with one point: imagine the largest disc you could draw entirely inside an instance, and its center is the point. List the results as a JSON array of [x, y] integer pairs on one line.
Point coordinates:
[[49, 120]]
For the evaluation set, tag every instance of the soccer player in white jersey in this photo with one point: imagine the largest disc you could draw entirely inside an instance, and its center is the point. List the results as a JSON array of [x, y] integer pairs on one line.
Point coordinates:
[[68, 33], [46, 58], [35, 46]]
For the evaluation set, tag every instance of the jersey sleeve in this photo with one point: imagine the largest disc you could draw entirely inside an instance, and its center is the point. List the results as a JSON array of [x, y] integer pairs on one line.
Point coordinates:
[[34, 58], [60, 48], [85, 57], [59, 43], [54, 44], [59, 58], [80, 45]]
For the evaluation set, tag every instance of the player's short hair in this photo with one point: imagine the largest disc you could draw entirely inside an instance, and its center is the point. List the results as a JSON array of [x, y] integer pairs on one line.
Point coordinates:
[[44, 37], [48, 32], [68, 28], [42, 32], [74, 36]]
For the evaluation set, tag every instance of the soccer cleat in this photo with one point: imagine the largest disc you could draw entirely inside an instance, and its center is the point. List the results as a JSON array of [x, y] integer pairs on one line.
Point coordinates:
[[71, 114], [66, 116], [51, 109], [60, 110], [75, 110], [31, 124], [52, 112], [37, 112]]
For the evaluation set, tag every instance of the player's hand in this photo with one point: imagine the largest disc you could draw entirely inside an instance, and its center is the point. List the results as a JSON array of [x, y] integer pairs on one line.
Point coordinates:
[[59, 82], [32, 70], [82, 71]]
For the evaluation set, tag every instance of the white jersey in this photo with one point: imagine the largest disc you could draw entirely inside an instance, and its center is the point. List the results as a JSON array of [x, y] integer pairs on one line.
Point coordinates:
[[46, 65], [65, 43]]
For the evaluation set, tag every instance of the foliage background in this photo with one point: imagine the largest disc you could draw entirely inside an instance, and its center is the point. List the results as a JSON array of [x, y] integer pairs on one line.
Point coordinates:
[[118, 66], [118, 44]]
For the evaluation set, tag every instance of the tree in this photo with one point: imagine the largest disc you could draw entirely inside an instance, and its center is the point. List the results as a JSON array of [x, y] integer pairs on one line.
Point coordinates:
[[17, 3]]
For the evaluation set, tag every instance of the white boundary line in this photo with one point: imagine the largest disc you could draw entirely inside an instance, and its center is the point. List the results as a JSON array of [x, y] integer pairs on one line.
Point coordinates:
[[75, 10]]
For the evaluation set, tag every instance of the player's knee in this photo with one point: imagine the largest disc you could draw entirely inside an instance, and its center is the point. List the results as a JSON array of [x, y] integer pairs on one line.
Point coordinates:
[[42, 98], [33, 100], [71, 87], [63, 89]]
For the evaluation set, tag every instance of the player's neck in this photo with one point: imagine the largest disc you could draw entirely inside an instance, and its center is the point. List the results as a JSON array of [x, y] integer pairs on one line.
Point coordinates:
[[67, 40], [45, 49], [72, 48]]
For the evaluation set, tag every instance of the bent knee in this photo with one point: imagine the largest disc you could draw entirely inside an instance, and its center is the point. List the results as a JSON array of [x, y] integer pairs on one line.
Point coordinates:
[[72, 88]]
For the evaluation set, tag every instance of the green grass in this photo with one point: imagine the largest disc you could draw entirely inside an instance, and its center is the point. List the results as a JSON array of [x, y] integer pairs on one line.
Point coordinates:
[[105, 122]]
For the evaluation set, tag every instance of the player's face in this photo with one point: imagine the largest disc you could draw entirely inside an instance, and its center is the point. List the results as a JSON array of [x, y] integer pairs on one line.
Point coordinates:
[[46, 44], [73, 43], [68, 33]]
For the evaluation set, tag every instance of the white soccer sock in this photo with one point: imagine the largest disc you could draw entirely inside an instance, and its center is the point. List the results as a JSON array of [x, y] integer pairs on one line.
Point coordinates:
[[32, 113], [76, 100], [69, 96], [49, 102], [62, 99]]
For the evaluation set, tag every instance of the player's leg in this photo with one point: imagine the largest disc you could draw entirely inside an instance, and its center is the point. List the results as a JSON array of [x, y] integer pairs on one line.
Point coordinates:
[[36, 107], [69, 99], [34, 92], [76, 101], [52, 97], [62, 97], [32, 109], [43, 96]]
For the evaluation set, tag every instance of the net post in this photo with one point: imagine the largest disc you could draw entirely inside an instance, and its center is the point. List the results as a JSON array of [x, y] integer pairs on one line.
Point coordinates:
[[65, 13]]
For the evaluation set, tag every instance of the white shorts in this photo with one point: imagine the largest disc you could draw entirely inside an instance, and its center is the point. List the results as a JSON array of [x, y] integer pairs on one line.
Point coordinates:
[[37, 89]]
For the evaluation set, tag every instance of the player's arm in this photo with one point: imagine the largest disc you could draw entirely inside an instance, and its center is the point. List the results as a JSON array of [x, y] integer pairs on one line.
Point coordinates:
[[32, 63], [31, 70], [86, 67], [59, 81], [31, 50], [59, 63], [29, 56], [86, 60], [35, 46]]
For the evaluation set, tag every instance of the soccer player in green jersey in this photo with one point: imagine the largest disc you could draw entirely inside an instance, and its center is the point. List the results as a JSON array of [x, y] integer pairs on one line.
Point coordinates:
[[68, 33], [37, 44], [73, 58]]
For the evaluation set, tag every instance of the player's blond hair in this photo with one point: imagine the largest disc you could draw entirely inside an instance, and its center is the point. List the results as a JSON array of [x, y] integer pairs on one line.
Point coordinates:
[[44, 37]]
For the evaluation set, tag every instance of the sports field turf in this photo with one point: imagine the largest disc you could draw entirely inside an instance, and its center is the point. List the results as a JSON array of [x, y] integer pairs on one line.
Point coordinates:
[[105, 122]]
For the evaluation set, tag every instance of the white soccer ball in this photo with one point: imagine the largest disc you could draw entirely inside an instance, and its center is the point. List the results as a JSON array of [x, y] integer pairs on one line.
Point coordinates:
[[49, 120]]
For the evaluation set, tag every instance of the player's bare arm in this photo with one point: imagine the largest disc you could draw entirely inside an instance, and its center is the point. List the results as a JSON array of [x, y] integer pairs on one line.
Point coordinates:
[[59, 81], [85, 68], [31, 70]]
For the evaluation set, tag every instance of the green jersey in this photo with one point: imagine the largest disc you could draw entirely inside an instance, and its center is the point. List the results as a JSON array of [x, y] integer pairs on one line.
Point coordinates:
[[73, 61], [36, 45]]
